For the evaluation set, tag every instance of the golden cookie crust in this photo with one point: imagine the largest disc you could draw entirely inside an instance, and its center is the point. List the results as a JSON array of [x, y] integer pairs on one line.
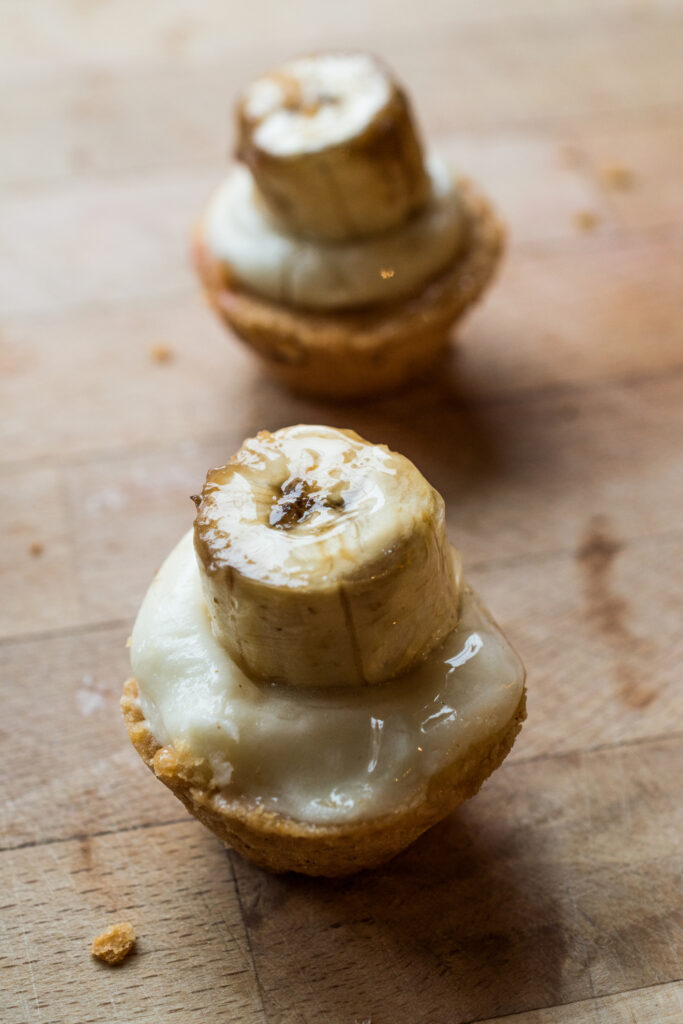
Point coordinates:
[[114, 944], [361, 352], [277, 843]]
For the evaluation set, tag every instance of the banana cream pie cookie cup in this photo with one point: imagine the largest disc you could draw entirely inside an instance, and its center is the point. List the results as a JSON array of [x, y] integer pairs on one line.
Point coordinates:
[[335, 248], [312, 676]]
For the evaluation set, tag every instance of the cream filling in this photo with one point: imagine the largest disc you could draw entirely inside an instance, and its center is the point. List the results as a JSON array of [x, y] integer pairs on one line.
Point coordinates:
[[325, 756], [242, 232]]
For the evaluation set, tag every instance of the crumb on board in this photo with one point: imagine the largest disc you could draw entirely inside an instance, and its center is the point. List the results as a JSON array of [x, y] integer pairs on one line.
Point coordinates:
[[161, 353], [586, 220], [617, 176], [114, 944], [36, 549]]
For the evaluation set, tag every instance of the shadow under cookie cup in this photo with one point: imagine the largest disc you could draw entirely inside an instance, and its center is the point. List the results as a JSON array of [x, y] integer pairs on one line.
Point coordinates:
[[366, 351], [278, 843]]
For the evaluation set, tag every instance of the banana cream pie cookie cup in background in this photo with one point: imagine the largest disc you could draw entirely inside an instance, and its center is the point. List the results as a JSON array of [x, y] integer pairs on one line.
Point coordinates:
[[336, 248], [312, 676]]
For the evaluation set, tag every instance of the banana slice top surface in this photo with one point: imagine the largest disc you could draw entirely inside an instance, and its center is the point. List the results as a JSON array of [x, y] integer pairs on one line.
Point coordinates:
[[316, 102], [241, 230], [324, 559], [316, 755], [309, 506]]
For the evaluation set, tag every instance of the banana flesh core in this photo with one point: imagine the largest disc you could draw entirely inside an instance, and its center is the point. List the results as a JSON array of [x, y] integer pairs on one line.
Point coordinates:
[[331, 143], [316, 102], [324, 559]]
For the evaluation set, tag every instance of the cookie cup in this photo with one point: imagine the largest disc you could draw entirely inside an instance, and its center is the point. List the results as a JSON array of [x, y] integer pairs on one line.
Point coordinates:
[[279, 843], [369, 350]]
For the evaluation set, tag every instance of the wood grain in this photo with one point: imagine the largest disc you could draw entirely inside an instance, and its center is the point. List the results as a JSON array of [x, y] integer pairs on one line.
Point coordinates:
[[59, 896], [534, 334], [554, 432], [533, 895], [509, 904], [661, 1004], [650, 153], [36, 554]]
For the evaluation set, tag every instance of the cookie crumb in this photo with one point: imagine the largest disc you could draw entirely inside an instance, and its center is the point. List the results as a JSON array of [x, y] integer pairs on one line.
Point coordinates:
[[617, 176], [114, 944], [36, 549], [161, 353], [586, 220]]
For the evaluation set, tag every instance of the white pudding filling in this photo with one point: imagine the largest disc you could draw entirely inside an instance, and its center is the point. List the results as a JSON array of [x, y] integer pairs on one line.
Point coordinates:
[[241, 231], [319, 756]]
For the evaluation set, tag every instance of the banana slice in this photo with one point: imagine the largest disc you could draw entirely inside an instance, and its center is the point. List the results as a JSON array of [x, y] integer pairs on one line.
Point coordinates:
[[332, 146], [324, 559]]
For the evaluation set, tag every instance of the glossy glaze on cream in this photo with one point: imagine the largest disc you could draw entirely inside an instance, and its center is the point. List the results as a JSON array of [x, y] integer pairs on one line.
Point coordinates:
[[323, 756]]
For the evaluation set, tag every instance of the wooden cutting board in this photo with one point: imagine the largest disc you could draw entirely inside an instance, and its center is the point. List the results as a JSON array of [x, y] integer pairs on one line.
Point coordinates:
[[555, 437]]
